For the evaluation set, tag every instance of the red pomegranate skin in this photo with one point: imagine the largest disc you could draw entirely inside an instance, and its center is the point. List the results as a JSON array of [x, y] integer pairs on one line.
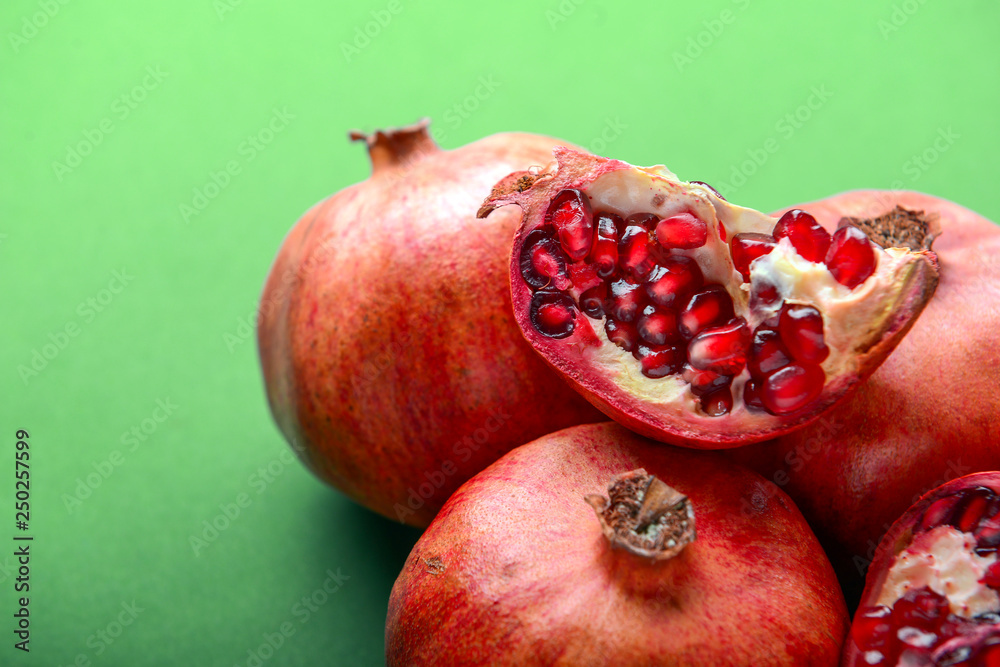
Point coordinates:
[[516, 571], [927, 415], [391, 357]]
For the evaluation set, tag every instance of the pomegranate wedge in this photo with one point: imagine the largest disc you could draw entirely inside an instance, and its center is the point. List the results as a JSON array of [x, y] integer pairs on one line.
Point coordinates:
[[786, 317]]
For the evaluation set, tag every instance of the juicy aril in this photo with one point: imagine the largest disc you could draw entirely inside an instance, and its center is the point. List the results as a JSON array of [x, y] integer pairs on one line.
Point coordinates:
[[595, 546], [692, 320], [928, 414], [932, 592], [392, 361]]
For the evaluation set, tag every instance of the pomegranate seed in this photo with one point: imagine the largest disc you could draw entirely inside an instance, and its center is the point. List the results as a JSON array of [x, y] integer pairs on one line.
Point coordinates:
[[717, 403], [939, 513], [671, 283], [604, 254], [751, 396], [709, 307], [683, 230], [584, 276], [988, 657], [801, 330], [721, 349], [659, 360], [992, 576], [763, 293], [920, 608], [592, 301], [851, 258], [808, 238], [621, 334], [747, 247], [872, 631], [634, 256], [767, 353], [543, 262], [573, 220], [625, 301], [704, 382], [657, 326], [792, 388], [969, 513], [988, 534], [716, 192], [645, 220], [552, 313]]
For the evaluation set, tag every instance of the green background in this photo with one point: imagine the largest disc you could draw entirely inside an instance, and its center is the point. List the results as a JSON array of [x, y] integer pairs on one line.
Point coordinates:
[[772, 102]]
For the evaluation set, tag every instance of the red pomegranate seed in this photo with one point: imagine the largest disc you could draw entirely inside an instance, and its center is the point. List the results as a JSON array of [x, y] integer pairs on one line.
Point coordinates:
[[988, 534], [988, 657], [570, 214], [920, 608], [851, 259], [722, 349], [671, 283], [939, 513], [604, 254], [656, 361], [801, 330], [969, 513], [992, 576], [592, 301], [656, 326], [747, 247], [543, 262], [683, 230], [704, 382], [767, 353], [552, 314], [763, 293], [634, 256], [717, 403], [714, 191], [872, 631], [792, 388], [625, 301], [645, 220], [807, 236], [751, 396], [709, 307], [621, 334], [584, 276]]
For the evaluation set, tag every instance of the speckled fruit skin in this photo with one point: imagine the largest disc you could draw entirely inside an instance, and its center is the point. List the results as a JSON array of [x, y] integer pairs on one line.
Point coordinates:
[[516, 571], [927, 415], [898, 537], [388, 345]]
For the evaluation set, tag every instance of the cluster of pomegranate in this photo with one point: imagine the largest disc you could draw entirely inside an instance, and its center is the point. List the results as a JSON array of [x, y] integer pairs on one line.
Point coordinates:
[[443, 360]]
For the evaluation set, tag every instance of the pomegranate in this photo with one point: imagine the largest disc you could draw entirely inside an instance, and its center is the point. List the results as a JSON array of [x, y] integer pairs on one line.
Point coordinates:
[[933, 591], [389, 350], [927, 415], [596, 546], [689, 319]]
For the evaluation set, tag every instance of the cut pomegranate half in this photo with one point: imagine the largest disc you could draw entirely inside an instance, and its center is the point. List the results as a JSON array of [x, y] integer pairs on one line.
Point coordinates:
[[690, 319], [933, 590]]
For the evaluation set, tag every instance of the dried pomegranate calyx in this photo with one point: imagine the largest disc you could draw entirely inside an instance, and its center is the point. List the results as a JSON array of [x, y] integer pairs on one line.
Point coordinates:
[[644, 516], [899, 228]]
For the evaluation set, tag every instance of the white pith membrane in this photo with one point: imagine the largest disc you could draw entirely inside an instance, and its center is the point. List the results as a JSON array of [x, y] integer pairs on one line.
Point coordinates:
[[850, 316], [944, 560]]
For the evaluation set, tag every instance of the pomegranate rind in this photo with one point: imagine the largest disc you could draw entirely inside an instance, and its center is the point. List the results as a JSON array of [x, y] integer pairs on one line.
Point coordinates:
[[516, 570], [899, 536], [863, 325]]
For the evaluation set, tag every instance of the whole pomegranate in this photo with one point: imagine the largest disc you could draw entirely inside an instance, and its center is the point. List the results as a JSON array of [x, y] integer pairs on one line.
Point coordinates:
[[927, 415], [390, 354], [694, 321], [596, 546], [933, 591]]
